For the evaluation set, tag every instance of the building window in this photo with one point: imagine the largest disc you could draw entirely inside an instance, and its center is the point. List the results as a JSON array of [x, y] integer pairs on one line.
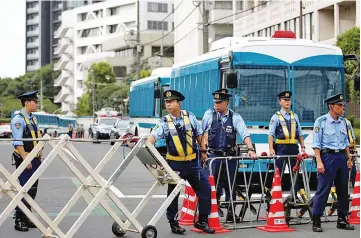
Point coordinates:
[[31, 4], [157, 25], [32, 28], [31, 51], [79, 84], [239, 5], [120, 71], [31, 62], [90, 32], [223, 5], [113, 11], [126, 53], [98, 13], [112, 28], [157, 7], [83, 16]]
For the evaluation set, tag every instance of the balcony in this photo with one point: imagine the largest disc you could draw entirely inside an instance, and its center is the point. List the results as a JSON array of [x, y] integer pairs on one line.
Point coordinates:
[[32, 56], [34, 44], [63, 45], [33, 9], [32, 21], [33, 33], [63, 77], [64, 92], [31, 68]]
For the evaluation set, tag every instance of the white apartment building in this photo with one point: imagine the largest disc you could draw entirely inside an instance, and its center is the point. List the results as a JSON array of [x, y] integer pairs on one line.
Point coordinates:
[[105, 32], [188, 36], [322, 20]]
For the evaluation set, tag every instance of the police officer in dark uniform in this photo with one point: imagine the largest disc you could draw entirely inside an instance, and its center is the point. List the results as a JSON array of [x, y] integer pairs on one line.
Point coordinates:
[[182, 131], [331, 147], [24, 125], [285, 133], [221, 126]]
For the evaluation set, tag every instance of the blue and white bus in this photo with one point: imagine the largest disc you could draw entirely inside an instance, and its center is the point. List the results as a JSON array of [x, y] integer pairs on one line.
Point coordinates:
[[52, 124], [146, 104], [255, 70]]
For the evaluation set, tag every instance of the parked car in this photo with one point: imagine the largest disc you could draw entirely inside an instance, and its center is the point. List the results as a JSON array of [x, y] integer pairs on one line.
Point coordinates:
[[120, 127], [5, 131], [101, 128]]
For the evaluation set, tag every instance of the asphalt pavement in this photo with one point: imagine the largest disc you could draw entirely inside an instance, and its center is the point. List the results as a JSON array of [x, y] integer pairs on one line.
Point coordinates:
[[58, 184]]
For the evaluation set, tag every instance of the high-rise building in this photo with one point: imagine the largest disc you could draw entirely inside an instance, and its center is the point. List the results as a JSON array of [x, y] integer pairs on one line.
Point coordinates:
[[43, 18]]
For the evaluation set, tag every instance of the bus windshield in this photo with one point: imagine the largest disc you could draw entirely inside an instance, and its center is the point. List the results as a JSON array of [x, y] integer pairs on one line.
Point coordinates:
[[255, 98]]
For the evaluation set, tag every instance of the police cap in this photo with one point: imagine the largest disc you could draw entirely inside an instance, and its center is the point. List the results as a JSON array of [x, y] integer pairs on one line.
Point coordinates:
[[221, 95], [29, 96], [173, 95], [335, 99], [285, 95]]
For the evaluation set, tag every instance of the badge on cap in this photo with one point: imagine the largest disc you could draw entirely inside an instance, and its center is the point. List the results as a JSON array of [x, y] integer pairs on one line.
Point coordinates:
[[216, 95], [169, 94], [287, 94], [341, 97], [17, 125]]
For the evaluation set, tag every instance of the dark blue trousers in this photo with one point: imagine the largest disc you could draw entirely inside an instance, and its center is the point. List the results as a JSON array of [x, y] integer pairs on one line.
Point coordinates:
[[336, 172], [194, 174], [23, 179]]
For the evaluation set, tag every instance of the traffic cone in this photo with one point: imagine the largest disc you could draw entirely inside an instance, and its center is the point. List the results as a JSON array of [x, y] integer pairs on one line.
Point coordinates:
[[213, 218], [354, 217], [276, 221], [189, 206]]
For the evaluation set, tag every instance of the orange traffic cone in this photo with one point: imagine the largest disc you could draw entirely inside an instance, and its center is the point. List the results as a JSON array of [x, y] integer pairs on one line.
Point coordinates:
[[276, 221], [354, 217], [189, 206], [213, 218]]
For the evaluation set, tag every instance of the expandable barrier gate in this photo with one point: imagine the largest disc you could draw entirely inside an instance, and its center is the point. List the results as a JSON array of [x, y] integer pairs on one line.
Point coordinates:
[[254, 197], [94, 184]]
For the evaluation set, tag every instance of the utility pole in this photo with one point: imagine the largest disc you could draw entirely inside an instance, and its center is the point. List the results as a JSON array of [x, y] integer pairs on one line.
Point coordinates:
[[41, 95], [161, 45], [139, 48], [301, 21], [93, 93], [205, 12]]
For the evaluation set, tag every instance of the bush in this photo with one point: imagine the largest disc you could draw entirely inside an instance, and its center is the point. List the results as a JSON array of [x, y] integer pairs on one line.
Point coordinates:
[[357, 134], [5, 120]]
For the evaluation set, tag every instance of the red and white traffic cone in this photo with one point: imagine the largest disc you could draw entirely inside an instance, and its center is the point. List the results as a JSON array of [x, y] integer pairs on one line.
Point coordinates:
[[276, 221], [213, 218], [189, 206], [354, 217]]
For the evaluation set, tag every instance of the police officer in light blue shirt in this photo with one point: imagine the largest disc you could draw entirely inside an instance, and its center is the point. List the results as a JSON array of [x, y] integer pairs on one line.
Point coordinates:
[[221, 126], [182, 131], [331, 147], [24, 125]]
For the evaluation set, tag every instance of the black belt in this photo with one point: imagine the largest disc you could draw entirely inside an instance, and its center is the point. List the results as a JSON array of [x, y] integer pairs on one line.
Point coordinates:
[[329, 151], [218, 152]]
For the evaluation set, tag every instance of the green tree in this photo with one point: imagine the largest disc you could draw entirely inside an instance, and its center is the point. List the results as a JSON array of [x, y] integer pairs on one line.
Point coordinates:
[[82, 107], [349, 42], [102, 73]]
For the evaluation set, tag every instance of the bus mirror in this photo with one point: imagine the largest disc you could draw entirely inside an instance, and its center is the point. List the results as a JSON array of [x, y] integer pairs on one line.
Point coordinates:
[[232, 81], [156, 93], [350, 57], [356, 82]]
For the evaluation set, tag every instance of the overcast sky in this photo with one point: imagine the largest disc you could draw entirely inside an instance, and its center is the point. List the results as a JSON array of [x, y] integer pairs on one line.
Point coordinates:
[[12, 38]]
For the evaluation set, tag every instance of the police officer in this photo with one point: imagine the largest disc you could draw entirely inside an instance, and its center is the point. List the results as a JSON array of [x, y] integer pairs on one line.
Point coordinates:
[[285, 128], [221, 126], [182, 131], [331, 147], [24, 125]]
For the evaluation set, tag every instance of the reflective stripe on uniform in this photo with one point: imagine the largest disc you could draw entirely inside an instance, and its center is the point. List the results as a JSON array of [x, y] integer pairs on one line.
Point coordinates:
[[182, 158], [349, 133], [286, 133]]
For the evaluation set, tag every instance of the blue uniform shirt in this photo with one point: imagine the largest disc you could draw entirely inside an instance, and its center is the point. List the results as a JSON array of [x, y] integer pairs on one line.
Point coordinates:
[[238, 123], [275, 121], [18, 126], [162, 130], [330, 133]]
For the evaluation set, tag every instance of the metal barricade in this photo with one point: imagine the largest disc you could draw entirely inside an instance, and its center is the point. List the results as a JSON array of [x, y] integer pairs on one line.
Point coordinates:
[[94, 184]]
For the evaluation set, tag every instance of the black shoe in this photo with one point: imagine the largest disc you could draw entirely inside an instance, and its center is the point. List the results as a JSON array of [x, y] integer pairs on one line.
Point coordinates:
[[202, 225], [342, 223], [29, 223], [176, 229], [20, 225], [220, 212], [230, 218], [316, 227]]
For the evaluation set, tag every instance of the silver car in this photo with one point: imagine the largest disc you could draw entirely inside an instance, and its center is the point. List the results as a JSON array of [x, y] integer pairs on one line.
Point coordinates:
[[120, 127]]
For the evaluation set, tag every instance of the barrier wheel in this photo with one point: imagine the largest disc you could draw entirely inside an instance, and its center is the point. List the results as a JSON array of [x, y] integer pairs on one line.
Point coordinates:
[[149, 232], [117, 230]]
